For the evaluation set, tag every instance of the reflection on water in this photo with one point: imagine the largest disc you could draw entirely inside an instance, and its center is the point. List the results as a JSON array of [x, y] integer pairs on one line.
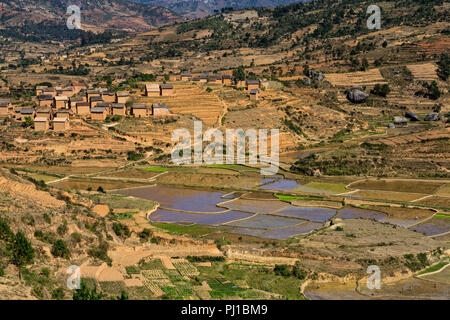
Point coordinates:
[[207, 219], [281, 185], [179, 198], [307, 213]]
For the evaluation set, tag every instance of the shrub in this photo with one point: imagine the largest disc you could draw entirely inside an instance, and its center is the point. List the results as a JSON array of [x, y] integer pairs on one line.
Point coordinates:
[[121, 230], [59, 249], [22, 250], [381, 90]]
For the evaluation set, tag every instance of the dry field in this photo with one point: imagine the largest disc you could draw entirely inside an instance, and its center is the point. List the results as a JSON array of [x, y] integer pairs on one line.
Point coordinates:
[[424, 71], [359, 78]]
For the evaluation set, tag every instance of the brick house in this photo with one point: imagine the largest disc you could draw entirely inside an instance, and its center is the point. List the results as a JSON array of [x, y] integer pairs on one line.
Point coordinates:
[[45, 100], [95, 100], [118, 109], [44, 112], [61, 124], [227, 80], [5, 107], [64, 113], [61, 102], [41, 124], [83, 108], [152, 90], [254, 94], [159, 109], [73, 102], [122, 96], [98, 113], [215, 79], [186, 77], [40, 90], [139, 110], [109, 96], [49, 91], [92, 93], [24, 113], [252, 84], [167, 90]]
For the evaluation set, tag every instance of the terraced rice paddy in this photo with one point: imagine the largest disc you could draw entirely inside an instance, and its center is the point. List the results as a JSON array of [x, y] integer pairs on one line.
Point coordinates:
[[307, 213], [288, 232], [281, 185], [388, 195], [436, 201], [434, 226], [206, 219], [254, 206], [356, 213], [398, 186], [266, 222], [179, 198]]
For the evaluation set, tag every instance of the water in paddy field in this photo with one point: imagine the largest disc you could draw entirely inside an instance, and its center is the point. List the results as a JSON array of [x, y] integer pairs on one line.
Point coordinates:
[[307, 213], [205, 219], [281, 185], [434, 226], [179, 198], [355, 213]]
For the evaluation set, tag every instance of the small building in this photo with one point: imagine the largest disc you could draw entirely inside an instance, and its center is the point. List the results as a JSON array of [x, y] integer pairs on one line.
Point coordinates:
[[45, 100], [254, 94], [159, 109], [186, 77], [167, 90], [195, 79], [44, 112], [105, 105], [215, 79], [64, 113], [227, 80], [61, 102], [40, 90], [5, 107], [61, 124], [67, 91], [95, 100], [98, 113], [152, 90], [92, 93], [24, 113], [174, 77], [49, 91], [41, 124], [73, 102], [83, 108], [203, 78], [122, 96], [139, 110], [252, 84], [118, 109], [109, 96]]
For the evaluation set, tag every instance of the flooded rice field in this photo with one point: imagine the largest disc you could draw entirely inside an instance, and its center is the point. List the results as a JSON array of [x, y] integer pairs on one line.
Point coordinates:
[[282, 184], [197, 218], [179, 198], [307, 213], [356, 213], [271, 219]]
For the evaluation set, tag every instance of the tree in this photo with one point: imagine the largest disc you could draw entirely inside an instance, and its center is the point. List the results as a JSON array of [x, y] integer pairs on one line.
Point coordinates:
[[444, 66], [381, 90], [239, 73], [22, 250], [59, 249], [84, 293]]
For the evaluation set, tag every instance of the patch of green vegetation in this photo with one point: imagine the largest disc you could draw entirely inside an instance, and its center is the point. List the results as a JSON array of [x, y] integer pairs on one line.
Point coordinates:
[[133, 270], [442, 215], [155, 169], [191, 230], [290, 198], [436, 267], [151, 264], [123, 202]]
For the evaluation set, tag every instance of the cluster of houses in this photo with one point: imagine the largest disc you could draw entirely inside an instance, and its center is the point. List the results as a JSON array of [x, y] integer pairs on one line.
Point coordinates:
[[156, 90], [253, 87], [58, 105]]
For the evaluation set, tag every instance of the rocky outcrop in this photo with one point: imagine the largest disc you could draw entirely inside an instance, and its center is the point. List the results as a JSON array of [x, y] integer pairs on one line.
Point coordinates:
[[356, 95]]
